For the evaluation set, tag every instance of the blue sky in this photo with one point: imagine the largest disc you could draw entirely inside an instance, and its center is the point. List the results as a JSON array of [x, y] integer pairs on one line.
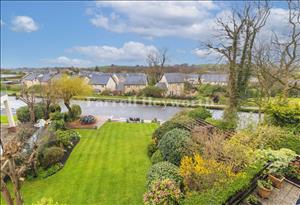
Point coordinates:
[[88, 33]]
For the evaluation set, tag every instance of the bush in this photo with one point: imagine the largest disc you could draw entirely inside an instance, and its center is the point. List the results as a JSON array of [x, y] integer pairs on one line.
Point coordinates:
[[222, 124], [39, 111], [208, 90], [25, 133], [50, 171], [163, 170], [152, 147], [200, 174], [283, 113], [164, 128], [23, 114], [51, 156], [152, 91], [75, 112], [57, 116], [54, 108], [175, 144], [200, 113], [58, 125], [157, 157], [66, 137], [163, 192], [46, 201], [87, 120]]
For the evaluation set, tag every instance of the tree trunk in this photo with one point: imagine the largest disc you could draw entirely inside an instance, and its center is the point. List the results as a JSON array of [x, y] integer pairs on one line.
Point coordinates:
[[67, 104], [16, 182], [5, 194], [32, 114]]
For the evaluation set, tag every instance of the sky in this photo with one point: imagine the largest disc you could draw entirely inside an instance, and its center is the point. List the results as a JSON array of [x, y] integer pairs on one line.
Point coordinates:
[[90, 33]]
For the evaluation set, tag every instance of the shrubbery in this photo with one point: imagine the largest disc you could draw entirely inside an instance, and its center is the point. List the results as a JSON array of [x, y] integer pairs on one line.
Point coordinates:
[[58, 125], [175, 144], [54, 108], [164, 128], [23, 114], [200, 113], [152, 91], [65, 137], [75, 112], [157, 157], [47, 201], [163, 170], [152, 147], [222, 124], [162, 192], [51, 156], [50, 171], [57, 116]]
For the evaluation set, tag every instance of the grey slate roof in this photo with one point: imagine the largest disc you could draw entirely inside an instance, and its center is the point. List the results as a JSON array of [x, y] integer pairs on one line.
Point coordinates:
[[31, 76], [175, 77], [100, 79], [219, 78], [42, 77], [138, 79]]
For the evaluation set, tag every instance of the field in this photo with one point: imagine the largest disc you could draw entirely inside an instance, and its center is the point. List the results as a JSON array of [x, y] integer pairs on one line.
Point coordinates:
[[107, 167]]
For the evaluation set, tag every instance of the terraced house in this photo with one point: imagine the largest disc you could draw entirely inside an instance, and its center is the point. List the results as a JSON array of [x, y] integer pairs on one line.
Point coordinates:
[[102, 81], [39, 78]]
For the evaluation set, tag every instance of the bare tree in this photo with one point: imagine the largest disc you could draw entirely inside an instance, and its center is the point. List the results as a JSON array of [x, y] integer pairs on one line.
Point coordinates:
[[28, 96], [157, 60], [235, 43]]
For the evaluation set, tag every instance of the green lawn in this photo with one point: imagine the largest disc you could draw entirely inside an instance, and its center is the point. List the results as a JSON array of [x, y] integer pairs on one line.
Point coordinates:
[[4, 119], [107, 167]]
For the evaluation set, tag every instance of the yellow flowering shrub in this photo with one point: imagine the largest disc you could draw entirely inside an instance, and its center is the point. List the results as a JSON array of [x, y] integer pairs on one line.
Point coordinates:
[[201, 174]]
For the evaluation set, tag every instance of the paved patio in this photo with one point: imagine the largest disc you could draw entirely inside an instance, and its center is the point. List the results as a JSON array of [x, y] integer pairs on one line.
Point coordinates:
[[287, 195]]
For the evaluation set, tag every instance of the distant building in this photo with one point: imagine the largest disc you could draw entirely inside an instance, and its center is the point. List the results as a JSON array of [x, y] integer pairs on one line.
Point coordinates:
[[39, 78], [134, 82], [102, 81], [214, 79], [173, 82]]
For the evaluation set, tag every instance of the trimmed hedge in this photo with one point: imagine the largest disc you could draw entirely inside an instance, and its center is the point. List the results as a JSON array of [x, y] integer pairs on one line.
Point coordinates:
[[200, 113], [157, 157], [23, 114], [164, 170], [51, 156], [176, 144]]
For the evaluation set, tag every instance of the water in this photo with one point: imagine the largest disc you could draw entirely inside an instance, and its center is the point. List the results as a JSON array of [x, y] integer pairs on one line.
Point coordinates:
[[8, 75], [124, 110]]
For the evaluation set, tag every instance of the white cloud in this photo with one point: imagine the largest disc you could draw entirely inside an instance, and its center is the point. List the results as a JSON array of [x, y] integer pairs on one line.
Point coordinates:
[[24, 24], [193, 19], [65, 61], [1, 22], [130, 51]]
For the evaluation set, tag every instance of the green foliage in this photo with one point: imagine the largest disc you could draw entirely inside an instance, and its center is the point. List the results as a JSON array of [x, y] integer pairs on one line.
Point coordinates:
[[54, 108], [157, 157], [57, 116], [152, 147], [176, 144], [283, 113], [23, 114], [58, 125], [46, 201], [163, 192], [75, 112], [267, 184], [163, 170], [39, 111], [164, 128], [208, 90], [222, 124], [51, 156], [218, 195], [152, 91], [25, 133], [65, 137], [50, 171], [200, 113]]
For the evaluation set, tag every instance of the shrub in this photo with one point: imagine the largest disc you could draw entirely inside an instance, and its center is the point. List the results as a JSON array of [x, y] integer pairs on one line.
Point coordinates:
[[47, 201], [222, 124], [50, 171], [58, 125], [164, 128], [152, 91], [200, 113], [66, 137], [39, 111], [163, 192], [163, 170], [54, 108], [56, 116], [175, 144], [51, 156], [200, 174], [152, 147], [208, 90], [283, 113], [75, 112], [157, 157], [25, 134], [23, 114], [87, 120]]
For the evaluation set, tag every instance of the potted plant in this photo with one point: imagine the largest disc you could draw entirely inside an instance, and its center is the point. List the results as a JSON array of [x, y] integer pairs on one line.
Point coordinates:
[[264, 188], [276, 178], [253, 200]]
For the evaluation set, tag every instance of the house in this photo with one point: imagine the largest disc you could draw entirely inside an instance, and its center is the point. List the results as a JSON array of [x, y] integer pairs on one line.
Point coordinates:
[[214, 79], [134, 82], [39, 78], [102, 81], [173, 82]]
